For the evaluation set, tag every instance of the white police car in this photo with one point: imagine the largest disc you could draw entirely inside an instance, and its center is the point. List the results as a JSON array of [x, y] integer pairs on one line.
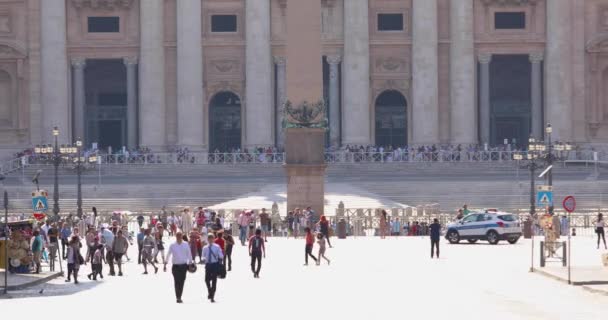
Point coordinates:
[[490, 226]]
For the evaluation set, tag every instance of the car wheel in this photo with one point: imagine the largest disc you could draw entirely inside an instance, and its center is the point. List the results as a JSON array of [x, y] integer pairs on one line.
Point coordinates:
[[492, 237], [472, 240], [453, 237], [513, 240]]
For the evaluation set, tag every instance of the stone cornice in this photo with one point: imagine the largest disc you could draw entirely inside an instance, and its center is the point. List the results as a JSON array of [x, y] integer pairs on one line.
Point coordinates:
[[103, 4], [505, 3]]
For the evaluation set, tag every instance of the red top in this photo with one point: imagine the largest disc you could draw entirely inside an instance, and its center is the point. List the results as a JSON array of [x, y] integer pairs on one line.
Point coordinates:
[[310, 240], [220, 242]]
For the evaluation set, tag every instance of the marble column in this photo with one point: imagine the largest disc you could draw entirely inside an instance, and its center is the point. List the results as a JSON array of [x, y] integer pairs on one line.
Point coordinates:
[[484, 98], [131, 64], [462, 72], [356, 105], [425, 87], [558, 69], [537, 95], [54, 70], [258, 77], [281, 64], [79, 120], [190, 115], [152, 76], [334, 100]]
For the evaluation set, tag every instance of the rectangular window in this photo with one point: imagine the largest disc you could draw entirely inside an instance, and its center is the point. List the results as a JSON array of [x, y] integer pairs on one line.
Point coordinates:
[[223, 23], [103, 24], [510, 20], [390, 22]]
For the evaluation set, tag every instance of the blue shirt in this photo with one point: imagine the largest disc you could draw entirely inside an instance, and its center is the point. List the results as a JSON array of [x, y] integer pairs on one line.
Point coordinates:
[[66, 233], [140, 237], [435, 231], [212, 255]]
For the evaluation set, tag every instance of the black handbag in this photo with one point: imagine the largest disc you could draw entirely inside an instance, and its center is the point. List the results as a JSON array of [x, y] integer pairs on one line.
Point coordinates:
[[218, 268]]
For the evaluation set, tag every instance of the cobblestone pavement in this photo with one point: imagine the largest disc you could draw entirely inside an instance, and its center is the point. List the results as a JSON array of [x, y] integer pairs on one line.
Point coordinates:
[[369, 278]]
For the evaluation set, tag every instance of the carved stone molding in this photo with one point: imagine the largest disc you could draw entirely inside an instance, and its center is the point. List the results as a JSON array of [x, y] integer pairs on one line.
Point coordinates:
[[401, 85], [78, 63], [484, 58], [334, 59], [593, 128], [225, 65], [9, 52], [506, 3], [390, 64], [103, 4], [214, 88], [598, 43], [536, 57], [328, 3], [130, 61], [280, 61]]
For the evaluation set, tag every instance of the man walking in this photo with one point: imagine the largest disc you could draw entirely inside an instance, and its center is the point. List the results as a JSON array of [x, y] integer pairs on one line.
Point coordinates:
[[243, 222], [435, 228], [140, 244], [257, 250], [107, 239], [120, 247], [181, 258], [213, 258]]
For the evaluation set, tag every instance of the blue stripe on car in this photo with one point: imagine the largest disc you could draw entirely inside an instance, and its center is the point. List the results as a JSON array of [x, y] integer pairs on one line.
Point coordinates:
[[478, 226]]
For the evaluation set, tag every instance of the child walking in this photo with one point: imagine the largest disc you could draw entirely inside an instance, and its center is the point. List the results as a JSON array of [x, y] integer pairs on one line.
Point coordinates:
[[310, 241], [96, 265], [321, 242]]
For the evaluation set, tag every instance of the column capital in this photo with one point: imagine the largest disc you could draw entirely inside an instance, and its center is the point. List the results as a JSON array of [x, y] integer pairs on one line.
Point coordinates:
[[129, 61], [484, 58], [78, 63], [334, 59], [536, 57], [281, 61]]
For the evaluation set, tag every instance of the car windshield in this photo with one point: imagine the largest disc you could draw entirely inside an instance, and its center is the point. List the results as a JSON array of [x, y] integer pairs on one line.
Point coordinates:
[[508, 217]]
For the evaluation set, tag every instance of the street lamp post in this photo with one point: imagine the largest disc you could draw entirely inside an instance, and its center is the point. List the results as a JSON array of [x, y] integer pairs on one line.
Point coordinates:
[[78, 174]]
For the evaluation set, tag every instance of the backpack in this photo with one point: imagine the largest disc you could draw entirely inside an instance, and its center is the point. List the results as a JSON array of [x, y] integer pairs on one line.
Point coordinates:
[[256, 245]]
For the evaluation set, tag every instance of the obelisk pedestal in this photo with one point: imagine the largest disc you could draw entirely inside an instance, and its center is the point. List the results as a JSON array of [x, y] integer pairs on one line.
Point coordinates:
[[305, 168]]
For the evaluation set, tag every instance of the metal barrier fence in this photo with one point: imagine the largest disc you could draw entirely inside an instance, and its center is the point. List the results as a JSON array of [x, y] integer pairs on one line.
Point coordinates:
[[339, 157]]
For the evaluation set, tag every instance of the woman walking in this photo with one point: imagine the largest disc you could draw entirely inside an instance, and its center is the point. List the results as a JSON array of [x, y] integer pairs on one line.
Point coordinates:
[[229, 245], [600, 224], [383, 219], [324, 228], [75, 259], [179, 251], [321, 242], [213, 258], [310, 241]]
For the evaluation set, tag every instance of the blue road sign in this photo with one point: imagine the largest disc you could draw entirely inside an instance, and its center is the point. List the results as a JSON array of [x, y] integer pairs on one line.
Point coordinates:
[[40, 204], [544, 199]]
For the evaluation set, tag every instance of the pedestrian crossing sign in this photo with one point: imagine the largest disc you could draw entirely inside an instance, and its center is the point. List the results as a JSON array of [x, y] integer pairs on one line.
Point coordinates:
[[40, 204], [544, 198]]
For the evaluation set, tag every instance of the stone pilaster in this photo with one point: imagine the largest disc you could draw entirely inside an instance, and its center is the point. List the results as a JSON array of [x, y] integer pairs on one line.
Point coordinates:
[[190, 115], [334, 100], [79, 120], [462, 73], [484, 98], [131, 65], [536, 60], [258, 100], [425, 87], [558, 69], [152, 75], [356, 111], [281, 65], [54, 70]]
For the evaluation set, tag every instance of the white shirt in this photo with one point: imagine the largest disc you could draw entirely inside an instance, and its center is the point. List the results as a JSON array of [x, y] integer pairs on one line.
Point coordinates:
[[215, 255], [180, 253], [600, 224]]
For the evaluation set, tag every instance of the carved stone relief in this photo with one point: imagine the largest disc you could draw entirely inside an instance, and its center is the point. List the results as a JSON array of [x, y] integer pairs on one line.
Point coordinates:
[[214, 87], [225, 66], [390, 64], [8, 52], [510, 2], [5, 24], [381, 85]]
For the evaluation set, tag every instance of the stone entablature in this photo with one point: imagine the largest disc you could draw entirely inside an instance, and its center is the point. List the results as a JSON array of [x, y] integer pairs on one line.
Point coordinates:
[[103, 4]]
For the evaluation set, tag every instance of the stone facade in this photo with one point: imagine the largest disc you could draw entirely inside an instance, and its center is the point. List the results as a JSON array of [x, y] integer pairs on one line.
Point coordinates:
[[442, 62]]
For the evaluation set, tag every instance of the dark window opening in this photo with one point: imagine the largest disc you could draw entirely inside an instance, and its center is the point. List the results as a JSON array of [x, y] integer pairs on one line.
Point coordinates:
[[112, 99], [510, 20], [223, 23], [390, 22], [103, 24]]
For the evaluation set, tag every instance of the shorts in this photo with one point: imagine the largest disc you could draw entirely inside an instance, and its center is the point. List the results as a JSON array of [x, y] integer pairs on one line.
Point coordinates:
[[118, 256]]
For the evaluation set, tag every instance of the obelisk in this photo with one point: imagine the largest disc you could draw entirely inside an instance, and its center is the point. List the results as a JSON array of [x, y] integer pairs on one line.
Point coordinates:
[[304, 147]]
